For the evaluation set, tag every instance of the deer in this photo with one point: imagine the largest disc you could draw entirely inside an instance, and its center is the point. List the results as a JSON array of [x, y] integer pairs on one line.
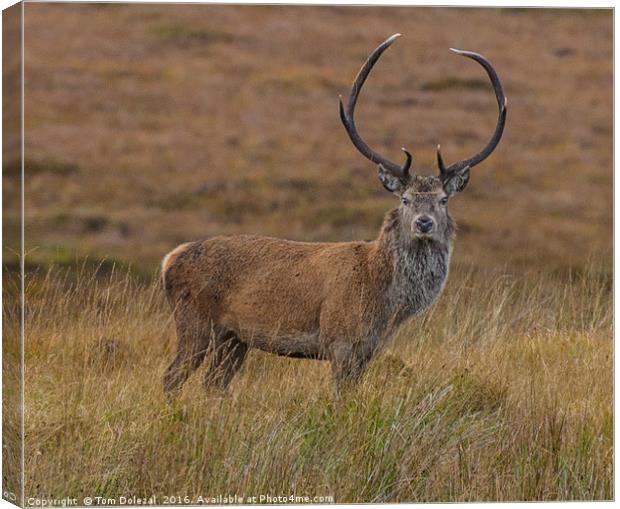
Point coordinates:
[[339, 302]]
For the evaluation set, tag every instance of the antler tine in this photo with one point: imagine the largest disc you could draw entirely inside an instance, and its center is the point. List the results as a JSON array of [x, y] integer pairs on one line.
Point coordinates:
[[407, 164], [501, 119], [347, 115], [440, 163]]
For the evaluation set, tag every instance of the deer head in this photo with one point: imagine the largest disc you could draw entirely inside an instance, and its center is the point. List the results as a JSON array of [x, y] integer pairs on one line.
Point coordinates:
[[424, 200]]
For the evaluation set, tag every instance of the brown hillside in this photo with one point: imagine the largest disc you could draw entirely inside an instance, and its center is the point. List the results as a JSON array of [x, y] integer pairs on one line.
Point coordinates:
[[149, 125]]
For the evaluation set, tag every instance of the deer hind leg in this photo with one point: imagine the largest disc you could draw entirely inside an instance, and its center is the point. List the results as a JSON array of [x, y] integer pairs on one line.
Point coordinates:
[[227, 356], [193, 337]]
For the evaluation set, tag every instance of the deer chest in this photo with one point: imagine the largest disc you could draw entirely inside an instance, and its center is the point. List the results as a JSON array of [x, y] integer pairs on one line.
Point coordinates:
[[418, 283]]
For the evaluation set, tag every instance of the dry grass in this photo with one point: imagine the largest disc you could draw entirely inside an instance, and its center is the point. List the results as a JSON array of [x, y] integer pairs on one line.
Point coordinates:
[[502, 392]]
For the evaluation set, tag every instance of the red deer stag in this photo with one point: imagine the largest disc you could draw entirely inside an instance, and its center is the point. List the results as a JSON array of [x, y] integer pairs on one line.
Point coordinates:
[[338, 302]]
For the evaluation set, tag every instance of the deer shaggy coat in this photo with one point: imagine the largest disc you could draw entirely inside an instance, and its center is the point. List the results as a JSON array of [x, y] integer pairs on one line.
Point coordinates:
[[331, 301]]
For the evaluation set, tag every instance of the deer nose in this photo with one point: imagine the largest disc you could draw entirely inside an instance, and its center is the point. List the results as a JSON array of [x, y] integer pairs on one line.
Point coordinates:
[[424, 224]]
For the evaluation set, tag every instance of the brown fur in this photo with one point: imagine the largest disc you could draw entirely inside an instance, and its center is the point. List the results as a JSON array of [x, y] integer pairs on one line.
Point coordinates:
[[338, 302], [329, 301], [172, 256]]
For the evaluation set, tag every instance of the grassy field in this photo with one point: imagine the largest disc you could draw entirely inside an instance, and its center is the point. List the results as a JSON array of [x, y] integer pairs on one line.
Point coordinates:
[[502, 392], [151, 125]]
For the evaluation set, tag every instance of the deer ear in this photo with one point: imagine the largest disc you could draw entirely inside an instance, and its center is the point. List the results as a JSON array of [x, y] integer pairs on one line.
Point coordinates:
[[456, 181], [392, 183]]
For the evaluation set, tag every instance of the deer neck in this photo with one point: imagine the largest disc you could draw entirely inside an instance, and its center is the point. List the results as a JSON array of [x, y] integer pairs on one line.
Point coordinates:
[[418, 268]]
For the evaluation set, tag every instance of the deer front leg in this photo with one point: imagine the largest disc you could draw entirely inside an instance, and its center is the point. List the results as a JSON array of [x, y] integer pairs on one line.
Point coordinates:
[[348, 362]]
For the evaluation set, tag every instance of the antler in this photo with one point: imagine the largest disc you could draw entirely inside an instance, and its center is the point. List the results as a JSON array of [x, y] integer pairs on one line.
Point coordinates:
[[501, 120], [346, 115]]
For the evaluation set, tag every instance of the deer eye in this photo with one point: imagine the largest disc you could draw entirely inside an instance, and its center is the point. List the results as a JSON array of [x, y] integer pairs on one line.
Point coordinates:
[[443, 201], [405, 201]]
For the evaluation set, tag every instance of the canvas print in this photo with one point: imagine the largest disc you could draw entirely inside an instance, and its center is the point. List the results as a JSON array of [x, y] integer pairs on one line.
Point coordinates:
[[296, 254]]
